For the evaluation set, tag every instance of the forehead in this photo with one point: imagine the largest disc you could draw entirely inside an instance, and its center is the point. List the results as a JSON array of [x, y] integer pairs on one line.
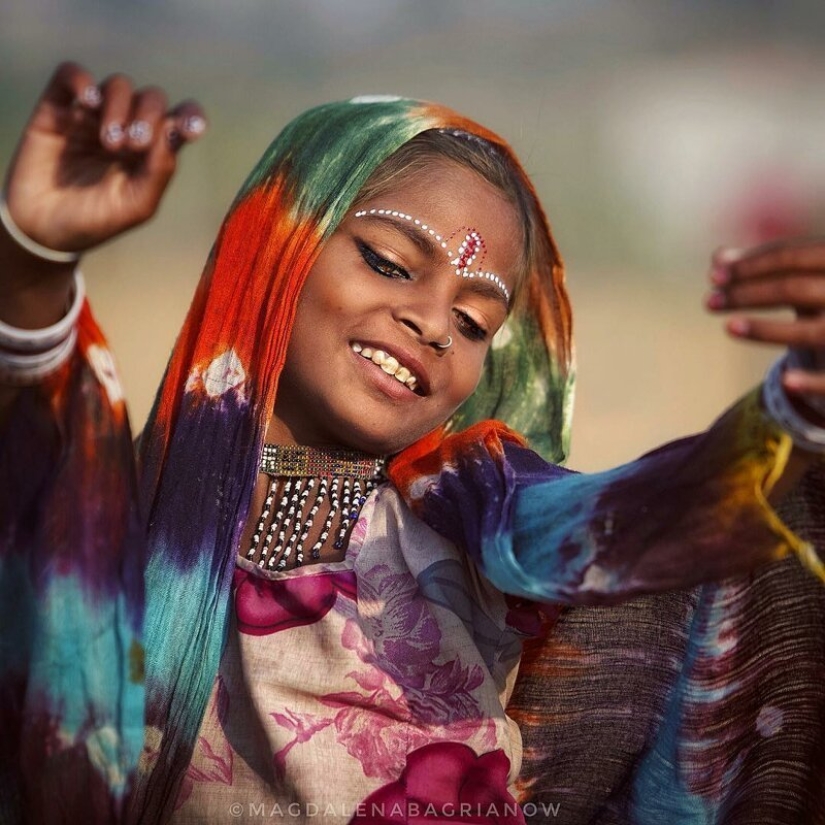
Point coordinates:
[[453, 199]]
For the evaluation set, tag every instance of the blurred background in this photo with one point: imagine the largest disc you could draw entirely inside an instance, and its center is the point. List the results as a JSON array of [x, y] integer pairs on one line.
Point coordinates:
[[654, 131]]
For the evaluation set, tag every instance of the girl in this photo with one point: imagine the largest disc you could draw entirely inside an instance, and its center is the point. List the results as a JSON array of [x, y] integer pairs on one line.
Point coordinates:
[[322, 457]]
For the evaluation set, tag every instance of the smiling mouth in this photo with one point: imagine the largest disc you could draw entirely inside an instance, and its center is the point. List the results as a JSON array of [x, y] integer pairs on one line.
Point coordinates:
[[389, 364]]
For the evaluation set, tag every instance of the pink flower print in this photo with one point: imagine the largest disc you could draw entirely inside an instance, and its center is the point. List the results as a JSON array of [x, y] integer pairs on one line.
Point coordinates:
[[404, 635], [372, 728], [446, 695], [211, 760], [445, 782], [265, 606], [304, 727]]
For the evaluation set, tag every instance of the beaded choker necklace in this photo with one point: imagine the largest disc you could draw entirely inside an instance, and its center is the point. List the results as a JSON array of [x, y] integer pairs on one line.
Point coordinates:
[[341, 478]]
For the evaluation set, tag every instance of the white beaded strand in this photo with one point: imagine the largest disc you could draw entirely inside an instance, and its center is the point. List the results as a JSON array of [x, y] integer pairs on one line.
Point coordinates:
[[462, 266], [338, 477]]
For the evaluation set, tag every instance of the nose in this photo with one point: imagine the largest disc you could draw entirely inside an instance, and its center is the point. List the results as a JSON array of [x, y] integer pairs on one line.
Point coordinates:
[[428, 318]]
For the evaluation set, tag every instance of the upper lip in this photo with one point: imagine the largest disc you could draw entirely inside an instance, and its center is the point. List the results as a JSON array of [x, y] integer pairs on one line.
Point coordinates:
[[405, 357]]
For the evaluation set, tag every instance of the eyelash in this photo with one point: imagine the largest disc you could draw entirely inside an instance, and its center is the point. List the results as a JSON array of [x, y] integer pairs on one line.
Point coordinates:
[[381, 265], [467, 325]]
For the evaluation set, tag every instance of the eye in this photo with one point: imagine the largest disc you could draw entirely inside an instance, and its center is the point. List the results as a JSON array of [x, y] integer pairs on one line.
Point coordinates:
[[469, 327], [381, 265]]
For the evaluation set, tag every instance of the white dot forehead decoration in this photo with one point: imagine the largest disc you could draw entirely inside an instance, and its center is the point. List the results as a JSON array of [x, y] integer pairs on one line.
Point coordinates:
[[462, 259]]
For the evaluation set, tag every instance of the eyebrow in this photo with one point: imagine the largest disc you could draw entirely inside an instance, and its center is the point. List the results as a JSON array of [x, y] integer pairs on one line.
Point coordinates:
[[428, 246], [486, 289], [421, 240]]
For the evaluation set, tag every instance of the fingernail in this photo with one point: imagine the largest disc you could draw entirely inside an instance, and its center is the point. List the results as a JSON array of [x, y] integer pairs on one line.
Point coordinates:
[[793, 380], [195, 125], [729, 254], [174, 139], [739, 326], [716, 300], [139, 132], [113, 134], [91, 97], [719, 274]]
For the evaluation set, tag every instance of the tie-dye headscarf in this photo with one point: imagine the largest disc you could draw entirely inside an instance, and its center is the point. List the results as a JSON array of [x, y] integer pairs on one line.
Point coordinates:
[[73, 534]]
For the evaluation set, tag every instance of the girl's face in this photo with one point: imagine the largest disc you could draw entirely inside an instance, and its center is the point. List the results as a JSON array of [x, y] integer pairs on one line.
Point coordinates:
[[387, 281]]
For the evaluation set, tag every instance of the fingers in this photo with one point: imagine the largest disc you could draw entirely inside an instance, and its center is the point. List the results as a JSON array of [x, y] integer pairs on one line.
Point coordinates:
[[116, 106], [729, 265], [785, 274], [804, 384], [182, 125], [126, 120], [803, 289], [145, 119], [806, 333], [70, 84], [188, 123], [780, 275]]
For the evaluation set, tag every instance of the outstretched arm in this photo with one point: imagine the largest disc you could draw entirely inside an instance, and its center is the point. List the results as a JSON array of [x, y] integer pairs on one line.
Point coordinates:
[[784, 275]]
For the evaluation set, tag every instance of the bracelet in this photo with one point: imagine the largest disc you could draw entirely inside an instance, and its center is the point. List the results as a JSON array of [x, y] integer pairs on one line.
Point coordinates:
[[31, 246], [27, 369], [805, 359], [26, 355], [803, 433], [38, 340]]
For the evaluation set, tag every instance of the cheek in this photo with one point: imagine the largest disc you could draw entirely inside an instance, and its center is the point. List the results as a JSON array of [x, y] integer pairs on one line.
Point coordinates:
[[466, 376]]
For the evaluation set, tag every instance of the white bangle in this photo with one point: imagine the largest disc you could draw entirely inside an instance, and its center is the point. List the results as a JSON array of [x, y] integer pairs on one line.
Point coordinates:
[[27, 369], [31, 246], [803, 433], [40, 340], [27, 355]]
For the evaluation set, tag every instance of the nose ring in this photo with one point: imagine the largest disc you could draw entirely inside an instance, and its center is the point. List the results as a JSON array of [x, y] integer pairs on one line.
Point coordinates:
[[444, 346]]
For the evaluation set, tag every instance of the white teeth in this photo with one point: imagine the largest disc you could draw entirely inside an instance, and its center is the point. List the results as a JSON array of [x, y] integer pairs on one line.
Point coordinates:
[[388, 364]]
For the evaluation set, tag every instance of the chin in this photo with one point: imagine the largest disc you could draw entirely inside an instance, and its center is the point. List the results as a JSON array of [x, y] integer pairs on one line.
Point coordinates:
[[381, 445], [383, 441]]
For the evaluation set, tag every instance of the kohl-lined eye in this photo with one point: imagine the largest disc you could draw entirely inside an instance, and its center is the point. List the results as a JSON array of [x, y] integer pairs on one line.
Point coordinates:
[[381, 265], [469, 327]]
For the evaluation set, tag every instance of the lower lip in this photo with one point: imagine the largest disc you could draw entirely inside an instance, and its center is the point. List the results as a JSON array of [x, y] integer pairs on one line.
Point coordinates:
[[386, 383]]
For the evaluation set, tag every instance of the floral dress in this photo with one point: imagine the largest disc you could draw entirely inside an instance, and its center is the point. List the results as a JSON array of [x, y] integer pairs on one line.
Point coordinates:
[[364, 690]]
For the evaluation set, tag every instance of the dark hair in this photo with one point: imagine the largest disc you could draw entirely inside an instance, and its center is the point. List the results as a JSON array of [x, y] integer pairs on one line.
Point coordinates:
[[478, 154]]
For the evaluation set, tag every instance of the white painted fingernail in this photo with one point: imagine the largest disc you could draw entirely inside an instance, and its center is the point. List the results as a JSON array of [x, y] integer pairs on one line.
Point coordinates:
[[729, 254], [113, 134], [91, 97], [140, 132], [195, 125]]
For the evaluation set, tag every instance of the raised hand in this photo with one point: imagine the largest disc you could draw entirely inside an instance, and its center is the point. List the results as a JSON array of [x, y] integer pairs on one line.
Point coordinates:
[[94, 160], [780, 275]]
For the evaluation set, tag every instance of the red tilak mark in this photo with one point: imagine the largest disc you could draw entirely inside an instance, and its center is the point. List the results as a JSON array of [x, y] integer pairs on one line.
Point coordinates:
[[467, 251]]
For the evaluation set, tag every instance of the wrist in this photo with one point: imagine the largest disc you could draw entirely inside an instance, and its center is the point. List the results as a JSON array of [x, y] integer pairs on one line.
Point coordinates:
[[29, 244], [28, 355], [801, 422], [34, 292]]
